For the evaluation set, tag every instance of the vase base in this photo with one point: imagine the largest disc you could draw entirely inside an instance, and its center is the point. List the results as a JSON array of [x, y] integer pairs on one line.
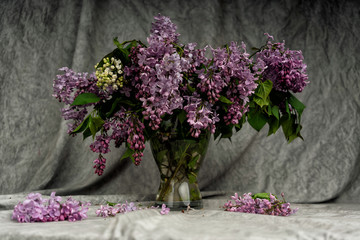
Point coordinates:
[[181, 205]]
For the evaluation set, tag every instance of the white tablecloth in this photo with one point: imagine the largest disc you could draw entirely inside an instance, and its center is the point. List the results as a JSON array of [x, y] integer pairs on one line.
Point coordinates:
[[312, 221]]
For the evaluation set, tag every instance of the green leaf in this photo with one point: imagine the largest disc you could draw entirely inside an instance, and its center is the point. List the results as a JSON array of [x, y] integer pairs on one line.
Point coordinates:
[[86, 133], [116, 53], [92, 127], [261, 102], [290, 128], [190, 88], [225, 100], [117, 43], [275, 112], [274, 125], [85, 98], [192, 178], [132, 44], [238, 127], [193, 161], [298, 128], [95, 124], [110, 204], [295, 103], [257, 120], [113, 107], [264, 88], [124, 56], [287, 126], [287, 109], [278, 97], [83, 125], [98, 123], [182, 116], [263, 196], [217, 133], [226, 131], [122, 52], [292, 137], [129, 152], [127, 102]]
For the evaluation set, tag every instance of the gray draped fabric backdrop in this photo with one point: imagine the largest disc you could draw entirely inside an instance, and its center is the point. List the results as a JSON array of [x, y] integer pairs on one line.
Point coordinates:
[[39, 37]]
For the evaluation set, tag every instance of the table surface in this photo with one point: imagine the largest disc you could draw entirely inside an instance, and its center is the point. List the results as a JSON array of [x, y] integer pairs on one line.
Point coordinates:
[[312, 221]]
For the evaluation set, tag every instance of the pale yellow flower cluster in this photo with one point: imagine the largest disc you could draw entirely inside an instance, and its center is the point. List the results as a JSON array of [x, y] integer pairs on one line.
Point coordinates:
[[110, 74]]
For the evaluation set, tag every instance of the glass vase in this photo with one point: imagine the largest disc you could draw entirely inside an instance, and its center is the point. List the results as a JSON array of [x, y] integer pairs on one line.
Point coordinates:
[[179, 161]]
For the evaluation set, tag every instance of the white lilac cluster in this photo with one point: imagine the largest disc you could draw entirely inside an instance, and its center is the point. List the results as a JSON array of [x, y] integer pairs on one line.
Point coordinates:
[[111, 211], [248, 204], [110, 74], [37, 209]]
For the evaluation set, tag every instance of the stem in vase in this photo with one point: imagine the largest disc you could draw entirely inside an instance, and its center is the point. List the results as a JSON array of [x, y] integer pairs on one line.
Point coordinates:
[[167, 184]]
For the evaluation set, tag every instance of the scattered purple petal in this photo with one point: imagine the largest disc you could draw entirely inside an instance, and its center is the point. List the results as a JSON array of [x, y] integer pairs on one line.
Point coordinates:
[[111, 211], [164, 210]]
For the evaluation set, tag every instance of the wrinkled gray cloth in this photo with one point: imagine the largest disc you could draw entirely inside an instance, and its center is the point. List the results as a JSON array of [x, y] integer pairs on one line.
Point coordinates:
[[39, 37]]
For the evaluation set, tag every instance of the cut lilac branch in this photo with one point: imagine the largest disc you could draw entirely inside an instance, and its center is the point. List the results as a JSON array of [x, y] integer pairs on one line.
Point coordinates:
[[260, 203], [36, 209]]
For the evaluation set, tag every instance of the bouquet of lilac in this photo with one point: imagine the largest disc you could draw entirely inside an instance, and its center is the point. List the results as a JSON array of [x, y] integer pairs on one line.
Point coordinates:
[[260, 203], [36, 209], [138, 90]]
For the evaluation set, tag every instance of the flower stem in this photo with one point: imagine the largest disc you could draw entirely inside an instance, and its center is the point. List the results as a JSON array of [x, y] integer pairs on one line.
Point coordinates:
[[165, 189]]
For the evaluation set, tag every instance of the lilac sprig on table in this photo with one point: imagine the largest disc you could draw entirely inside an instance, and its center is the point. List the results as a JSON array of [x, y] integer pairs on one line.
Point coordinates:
[[260, 203], [111, 209], [37, 209]]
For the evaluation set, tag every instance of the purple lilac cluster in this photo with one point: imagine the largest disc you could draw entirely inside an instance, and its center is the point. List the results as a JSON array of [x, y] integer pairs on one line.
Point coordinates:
[[136, 139], [159, 69], [284, 67], [122, 127], [67, 87], [247, 204], [37, 209], [239, 79], [99, 165], [200, 115], [106, 211]]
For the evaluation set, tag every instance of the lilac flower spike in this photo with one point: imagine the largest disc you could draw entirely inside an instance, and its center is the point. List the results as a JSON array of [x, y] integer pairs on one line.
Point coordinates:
[[285, 68], [33, 209]]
